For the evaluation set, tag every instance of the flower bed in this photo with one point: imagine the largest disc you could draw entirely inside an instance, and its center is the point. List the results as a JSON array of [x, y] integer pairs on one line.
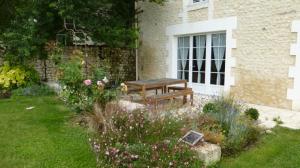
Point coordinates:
[[142, 138]]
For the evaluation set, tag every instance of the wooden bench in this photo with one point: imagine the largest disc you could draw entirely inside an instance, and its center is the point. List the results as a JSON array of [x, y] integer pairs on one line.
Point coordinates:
[[168, 96], [177, 88], [136, 89]]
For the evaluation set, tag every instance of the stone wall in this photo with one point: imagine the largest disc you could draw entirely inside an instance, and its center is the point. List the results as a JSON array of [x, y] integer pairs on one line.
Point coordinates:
[[263, 39], [119, 62]]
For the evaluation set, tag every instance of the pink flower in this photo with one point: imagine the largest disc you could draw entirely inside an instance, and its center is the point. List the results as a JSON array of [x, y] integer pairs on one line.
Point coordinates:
[[87, 82]]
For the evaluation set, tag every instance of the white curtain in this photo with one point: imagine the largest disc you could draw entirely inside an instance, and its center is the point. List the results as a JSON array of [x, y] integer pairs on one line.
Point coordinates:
[[184, 53], [219, 42], [200, 49]]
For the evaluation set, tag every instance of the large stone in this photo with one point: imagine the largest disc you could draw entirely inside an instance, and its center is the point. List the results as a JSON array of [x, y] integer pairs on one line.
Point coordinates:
[[208, 153]]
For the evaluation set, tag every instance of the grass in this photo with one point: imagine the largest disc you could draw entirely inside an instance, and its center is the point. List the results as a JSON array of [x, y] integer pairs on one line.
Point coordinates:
[[45, 137], [278, 150], [41, 137]]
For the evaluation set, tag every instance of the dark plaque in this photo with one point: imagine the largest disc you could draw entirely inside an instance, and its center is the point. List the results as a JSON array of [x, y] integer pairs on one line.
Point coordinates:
[[192, 138]]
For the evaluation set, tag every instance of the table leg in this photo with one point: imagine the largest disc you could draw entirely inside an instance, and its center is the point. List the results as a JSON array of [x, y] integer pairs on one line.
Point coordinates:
[[144, 94], [165, 89], [185, 97]]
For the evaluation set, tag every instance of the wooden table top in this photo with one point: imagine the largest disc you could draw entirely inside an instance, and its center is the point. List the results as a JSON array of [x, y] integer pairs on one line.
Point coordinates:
[[156, 82]]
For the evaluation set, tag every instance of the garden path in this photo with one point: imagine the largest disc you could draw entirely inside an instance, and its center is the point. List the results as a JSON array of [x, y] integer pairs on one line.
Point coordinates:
[[290, 119]]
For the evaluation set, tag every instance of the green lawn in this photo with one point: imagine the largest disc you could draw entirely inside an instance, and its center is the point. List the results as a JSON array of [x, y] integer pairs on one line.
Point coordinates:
[[41, 137], [280, 150], [45, 137]]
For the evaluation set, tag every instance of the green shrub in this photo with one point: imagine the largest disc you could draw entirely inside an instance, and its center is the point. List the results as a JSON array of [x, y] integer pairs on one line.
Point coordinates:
[[12, 77], [209, 108], [71, 73], [81, 92], [252, 113], [239, 131], [241, 134], [34, 90]]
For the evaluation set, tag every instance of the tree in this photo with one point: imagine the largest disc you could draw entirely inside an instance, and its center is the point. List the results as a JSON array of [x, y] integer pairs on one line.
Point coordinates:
[[30, 24]]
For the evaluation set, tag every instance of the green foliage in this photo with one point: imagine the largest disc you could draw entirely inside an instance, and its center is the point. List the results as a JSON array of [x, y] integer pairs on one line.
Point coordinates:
[[27, 26], [34, 90], [131, 139], [252, 113], [71, 73], [31, 25], [239, 130], [12, 77], [278, 120], [99, 74], [80, 95], [209, 108]]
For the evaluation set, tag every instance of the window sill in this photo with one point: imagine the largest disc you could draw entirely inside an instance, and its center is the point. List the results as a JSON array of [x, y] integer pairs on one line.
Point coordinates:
[[197, 6]]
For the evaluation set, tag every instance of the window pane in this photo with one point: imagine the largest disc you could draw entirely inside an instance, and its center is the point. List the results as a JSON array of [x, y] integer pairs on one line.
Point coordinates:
[[199, 53], [197, 63], [186, 75], [223, 39], [223, 67], [222, 79], [199, 77], [217, 79], [183, 65], [183, 56], [195, 77], [179, 74], [218, 40], [199, 56], [183, 75], [213, 66], [213, 78], [218, 56]]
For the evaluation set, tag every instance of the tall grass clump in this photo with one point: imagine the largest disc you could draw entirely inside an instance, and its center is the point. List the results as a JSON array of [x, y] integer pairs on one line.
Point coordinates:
[[238, 129]]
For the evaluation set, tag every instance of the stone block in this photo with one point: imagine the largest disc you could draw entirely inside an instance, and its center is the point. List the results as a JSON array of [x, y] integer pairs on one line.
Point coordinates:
[[208, 153]]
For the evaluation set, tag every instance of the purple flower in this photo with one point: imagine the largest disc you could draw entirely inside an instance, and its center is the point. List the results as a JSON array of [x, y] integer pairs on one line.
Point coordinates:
[[87, 82]]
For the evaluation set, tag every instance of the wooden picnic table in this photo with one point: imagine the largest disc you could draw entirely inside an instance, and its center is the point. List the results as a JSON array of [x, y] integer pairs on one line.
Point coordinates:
[[143, 85]]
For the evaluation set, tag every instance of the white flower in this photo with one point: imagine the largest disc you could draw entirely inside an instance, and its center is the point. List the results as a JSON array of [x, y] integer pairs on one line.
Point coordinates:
[[34, 20], [105, 80], [99, 83]]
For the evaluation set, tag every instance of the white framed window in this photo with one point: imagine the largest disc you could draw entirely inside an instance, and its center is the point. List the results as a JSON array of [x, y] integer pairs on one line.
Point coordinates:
[[215, 32], [201, 59], [197, 4], [199, 1]]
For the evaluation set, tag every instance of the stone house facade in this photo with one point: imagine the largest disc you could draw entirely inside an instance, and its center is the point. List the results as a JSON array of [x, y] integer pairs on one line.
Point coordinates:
[[250, 49]]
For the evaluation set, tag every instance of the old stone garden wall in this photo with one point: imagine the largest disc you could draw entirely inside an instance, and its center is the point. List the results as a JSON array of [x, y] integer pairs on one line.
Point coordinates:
[[263, 40], [119, 62]]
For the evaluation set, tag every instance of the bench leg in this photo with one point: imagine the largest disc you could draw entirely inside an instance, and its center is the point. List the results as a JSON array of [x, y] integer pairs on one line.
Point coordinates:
[[184, 99], [192, 99]]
